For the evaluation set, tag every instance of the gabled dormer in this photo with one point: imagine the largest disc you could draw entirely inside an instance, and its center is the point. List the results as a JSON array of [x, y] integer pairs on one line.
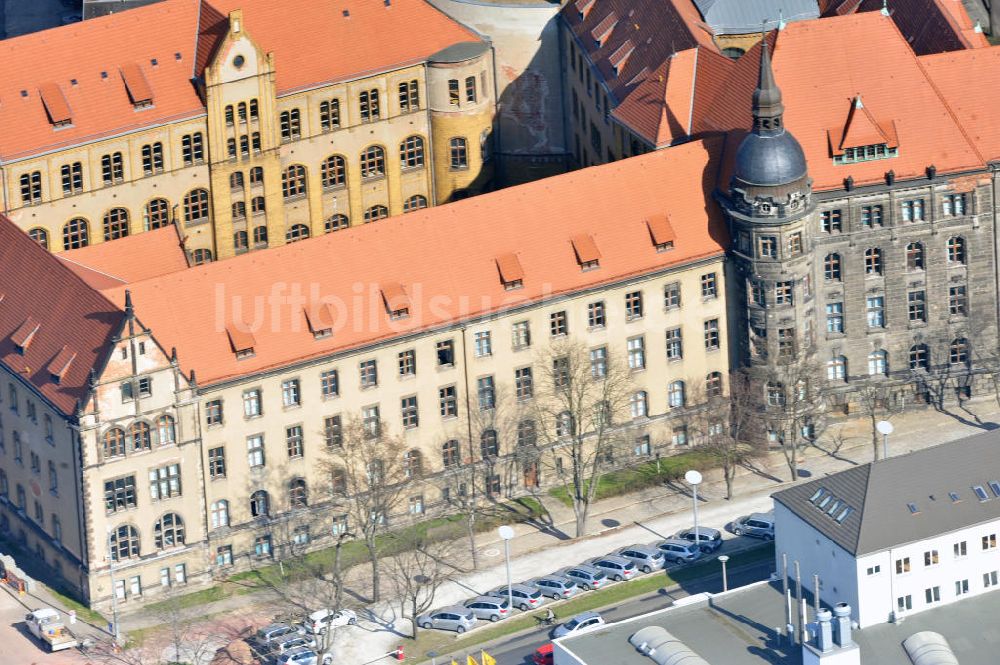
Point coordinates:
[[862, 138]]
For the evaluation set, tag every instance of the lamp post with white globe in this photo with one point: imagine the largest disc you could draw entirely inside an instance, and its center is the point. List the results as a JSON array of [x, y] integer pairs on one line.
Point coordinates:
[[884, 428], [693, 477], [507, 533]]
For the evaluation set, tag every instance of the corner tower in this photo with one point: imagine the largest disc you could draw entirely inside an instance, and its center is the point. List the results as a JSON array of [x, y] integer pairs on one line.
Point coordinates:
[[767, 204]]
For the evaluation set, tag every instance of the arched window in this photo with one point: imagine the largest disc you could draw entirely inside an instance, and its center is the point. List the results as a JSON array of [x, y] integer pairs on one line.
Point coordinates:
[[229, 115], [675, 395], [31, 187], [169, 531], [373, 162], [296, 233], [333, 172], [368, 105], [258, 205], [639, 404], [329, 114], [449, 453], [713, 384], [236, 181], [873, 261], [878, 363], [257, 175], [242, 111], [260, 505], [489, 443], [139, 436], [915, 256], [260, 236], [39, 235], [196, 206], [411, 152], [239, 210], [836, 369], [376, 213], [220, 514], [527, 433], [958, 351], [115, 223], [956, 250], [200, 256], [293, 182], [124, 542], [298, 494], [240, 240], [459, 153], [413, 464], [291, 125], [165, 430], [415, 202], [336, 222], [831, 267], [76, 233], [919, 357], [775, 393], [338, 480], [156, 214], [114, 443]]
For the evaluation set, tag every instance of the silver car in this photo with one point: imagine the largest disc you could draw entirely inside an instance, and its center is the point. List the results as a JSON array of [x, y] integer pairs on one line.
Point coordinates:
[[555, 587], [616, 567], [586, 576], [680, 551], [646, 557], [758, 525], [489, 607], [455, 617], [265, 636], [291, 641], [299, 656], [525, 597], [709, 539]]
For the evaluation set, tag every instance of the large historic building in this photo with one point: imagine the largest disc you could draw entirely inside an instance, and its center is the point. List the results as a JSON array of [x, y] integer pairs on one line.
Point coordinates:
[[250, 123], [178, 443]]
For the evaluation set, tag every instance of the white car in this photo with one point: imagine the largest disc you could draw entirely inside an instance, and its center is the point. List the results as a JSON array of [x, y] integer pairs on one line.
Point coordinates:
[[581, 623], [321, 621]]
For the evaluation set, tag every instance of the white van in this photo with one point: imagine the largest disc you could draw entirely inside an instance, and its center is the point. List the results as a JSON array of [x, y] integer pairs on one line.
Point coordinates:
[[321, 621]]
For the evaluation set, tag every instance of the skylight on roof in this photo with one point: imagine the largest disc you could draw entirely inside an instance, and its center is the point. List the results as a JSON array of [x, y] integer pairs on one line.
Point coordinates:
[[995, 486], [980, 493], [820, 492], [913, 508], [844, 514], [955, 498]]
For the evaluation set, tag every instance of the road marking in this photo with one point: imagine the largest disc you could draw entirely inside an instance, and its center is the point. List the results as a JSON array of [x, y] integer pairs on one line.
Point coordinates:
[[491, 552]]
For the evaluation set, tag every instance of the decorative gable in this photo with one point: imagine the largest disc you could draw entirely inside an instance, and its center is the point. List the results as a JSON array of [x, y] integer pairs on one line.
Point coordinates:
[[862, 138]]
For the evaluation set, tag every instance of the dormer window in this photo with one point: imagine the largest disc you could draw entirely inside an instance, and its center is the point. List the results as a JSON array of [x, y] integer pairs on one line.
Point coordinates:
[[137, 86], [24, 334], [397, 303], [60, 364], [586, 251], [320, 319], [241, 341], [661, 232], [511, 272], [862, 138]]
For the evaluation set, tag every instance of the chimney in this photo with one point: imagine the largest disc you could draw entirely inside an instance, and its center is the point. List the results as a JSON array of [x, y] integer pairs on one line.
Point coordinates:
[[824, 630], [842, 625]]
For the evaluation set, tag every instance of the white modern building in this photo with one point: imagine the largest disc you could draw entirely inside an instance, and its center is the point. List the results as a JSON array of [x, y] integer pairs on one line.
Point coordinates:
[[898, 536]]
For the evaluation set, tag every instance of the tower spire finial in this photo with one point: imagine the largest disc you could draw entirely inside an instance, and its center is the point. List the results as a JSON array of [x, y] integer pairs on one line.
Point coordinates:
[[767, 106]]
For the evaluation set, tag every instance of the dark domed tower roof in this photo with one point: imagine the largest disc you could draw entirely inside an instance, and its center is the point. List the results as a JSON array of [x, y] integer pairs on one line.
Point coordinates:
[[769, 156]]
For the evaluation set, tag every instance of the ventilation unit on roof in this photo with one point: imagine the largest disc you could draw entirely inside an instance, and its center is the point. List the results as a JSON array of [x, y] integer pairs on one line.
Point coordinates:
[[912, 507]]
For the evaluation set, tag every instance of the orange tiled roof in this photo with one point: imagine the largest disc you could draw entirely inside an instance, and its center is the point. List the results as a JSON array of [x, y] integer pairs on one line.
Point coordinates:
[[444, 259], [89, 62], [929, 26], [63, 326], [969, 81], [130, 259]]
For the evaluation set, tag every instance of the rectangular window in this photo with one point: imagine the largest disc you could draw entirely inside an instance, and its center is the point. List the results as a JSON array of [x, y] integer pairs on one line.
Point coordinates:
[[127, 391], [990, 542], [112, 169], [596, 317], [599, 362], [119, 494], [768, 247], [406, 362], [251, 403], [958, 304], [932, 595], [875, 309], [524, 387], [329, 383], [874, 570], [960, 549], [675, 346], [835, 317], [224, 555], [636, 347], [372, 420], [786, 342], [989, 579], [483, 344], [953, 204], [486, 391], [290, 393], [333, 432], [931, 558], [679, 436], [213, 412], [445, 353], [408, 410], [913, 210], [192, 149], [165, 482], [633, 305], [558, 324], [904, 603], [712, 335], [520, 335], [795, 244], [255, 450], [916, 303], [72, 178], [709, 287], [961, 587], [871, 216], [262, 546], [448, 397], [903, 565], [831, 221], [217, 462], [368, 370], [293, 440], [672, 295], [783, 293]]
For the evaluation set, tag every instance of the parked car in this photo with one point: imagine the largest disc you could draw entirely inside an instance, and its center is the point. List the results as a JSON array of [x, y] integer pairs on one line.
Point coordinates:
[[543, 655], [454, 617], [580, 623], [286, 643], [321, 621], [298, 656], [709, 539], [758, 525], [616, 567], [680, 551], [268, 634], [489, 607], [646, 557], [588, 577], [555, 587], [525, 597]]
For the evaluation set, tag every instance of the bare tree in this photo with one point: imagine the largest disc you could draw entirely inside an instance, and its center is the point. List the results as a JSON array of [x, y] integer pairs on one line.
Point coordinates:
[[576, 399], [368, 478], [878, 401], [793, 405], [728, 427], [416, 573]]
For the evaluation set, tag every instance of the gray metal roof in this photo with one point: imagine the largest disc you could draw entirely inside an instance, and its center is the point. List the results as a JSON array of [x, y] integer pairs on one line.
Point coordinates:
[[881, 493], [737, 17]]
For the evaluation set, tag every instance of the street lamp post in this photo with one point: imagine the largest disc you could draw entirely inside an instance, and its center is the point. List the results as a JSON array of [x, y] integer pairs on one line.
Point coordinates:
[[884, 428], [725, 582], [116, 634], [507, 533], [693, 478]]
